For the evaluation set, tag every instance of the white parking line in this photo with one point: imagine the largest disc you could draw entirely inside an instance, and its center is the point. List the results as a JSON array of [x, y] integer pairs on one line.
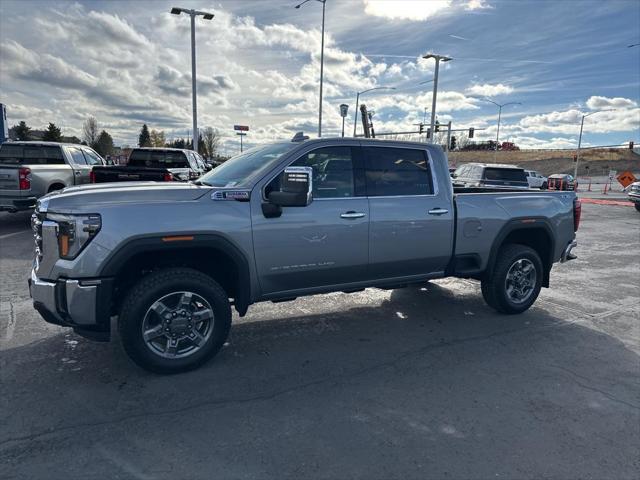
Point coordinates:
[[13, 234]]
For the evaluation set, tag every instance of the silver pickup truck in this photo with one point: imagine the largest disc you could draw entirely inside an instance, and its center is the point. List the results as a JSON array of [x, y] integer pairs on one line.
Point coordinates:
[[280, 221], [29, 170]]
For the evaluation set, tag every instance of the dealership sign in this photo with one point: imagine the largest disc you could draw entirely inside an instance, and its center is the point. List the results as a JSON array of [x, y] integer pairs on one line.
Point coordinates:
[[242, 128]]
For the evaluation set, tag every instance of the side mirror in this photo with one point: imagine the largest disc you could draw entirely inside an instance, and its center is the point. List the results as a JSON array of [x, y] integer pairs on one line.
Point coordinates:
[[295, 189]]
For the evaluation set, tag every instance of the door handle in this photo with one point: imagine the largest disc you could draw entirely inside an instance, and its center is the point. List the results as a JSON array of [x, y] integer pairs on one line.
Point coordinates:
[[351, 215], [438, 211]]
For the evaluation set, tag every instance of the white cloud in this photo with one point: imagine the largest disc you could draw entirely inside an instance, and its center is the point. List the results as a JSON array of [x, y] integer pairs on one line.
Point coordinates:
[[477, 5], [599, 103], [488, 90], [415, 10]]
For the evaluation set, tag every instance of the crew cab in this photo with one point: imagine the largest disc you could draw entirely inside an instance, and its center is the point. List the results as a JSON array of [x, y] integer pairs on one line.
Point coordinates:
[[490, 175], [277, 222], [29, 170], [153, 164], [536, 180]]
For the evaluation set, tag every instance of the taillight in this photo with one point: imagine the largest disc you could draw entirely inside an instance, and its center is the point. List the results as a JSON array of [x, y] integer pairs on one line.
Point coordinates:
[[24, 178], [168, 177], [577, 212], [92, 176]]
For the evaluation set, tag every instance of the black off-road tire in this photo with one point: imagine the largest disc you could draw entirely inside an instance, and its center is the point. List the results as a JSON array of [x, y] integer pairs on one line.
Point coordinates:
[[153, 287], [545, 185], [494, 289]]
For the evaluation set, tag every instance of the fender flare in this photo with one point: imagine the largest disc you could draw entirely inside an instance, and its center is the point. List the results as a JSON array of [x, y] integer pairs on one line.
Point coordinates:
[[146, 243], [518, 224]]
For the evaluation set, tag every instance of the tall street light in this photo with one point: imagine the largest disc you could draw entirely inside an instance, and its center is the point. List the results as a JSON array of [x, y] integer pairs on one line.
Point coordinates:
[[437, 58], [575, 171], [323, 2], [355, 116], [499, 117], [206, 16]]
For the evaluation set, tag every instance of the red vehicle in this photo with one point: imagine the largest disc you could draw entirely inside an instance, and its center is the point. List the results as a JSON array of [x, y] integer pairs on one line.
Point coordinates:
[[561, 181]]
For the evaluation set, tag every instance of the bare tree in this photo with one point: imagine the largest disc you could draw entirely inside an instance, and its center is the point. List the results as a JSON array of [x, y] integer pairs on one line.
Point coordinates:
[[462, 140], [211, 139], [90, 131], [157, 138]]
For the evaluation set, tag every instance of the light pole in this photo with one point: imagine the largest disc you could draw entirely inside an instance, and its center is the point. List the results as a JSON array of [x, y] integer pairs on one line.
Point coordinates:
[[324, 4], [575, 170], [437, 58], [207, 16], [355, 116], [499, 118]]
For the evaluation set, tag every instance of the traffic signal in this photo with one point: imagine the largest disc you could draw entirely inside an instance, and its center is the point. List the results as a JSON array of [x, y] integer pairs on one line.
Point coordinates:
[[453, 143], [437, 126], [428, 133], [630, 145], [471, 130], [421, 128]]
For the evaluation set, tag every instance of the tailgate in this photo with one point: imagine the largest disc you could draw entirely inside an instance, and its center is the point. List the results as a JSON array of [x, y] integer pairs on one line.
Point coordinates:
[[8, 178], [128, 174]]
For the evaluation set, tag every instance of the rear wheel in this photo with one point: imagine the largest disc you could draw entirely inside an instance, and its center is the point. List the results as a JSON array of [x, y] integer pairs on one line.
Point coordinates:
[[174, 320], [515, 282], [637, 205]]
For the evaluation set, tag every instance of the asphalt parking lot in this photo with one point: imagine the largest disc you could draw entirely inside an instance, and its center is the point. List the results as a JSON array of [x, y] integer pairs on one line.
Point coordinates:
[[413, 383]]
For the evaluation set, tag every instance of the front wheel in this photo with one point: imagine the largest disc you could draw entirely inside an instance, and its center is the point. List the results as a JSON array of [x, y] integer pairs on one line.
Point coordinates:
[[515, 282], [637, 205], [544, 186], [174, 320]]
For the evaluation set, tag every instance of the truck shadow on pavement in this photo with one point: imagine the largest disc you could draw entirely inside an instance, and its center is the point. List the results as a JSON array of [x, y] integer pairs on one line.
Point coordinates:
[[425, 366]]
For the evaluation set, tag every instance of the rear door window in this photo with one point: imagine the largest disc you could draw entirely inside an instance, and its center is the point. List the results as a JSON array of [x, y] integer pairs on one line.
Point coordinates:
[[158, 159], [397, 172], [30, 155]]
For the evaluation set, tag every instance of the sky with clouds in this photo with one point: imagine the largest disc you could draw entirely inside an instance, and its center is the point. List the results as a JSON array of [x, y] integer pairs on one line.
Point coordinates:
[[128, 63]]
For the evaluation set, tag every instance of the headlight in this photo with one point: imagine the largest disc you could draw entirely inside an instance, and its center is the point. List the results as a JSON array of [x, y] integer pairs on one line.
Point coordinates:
[[74, 232]]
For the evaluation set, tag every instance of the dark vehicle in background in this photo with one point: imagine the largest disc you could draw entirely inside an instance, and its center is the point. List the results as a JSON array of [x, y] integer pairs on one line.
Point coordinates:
[[29, 170], [634, 194], [561, 181], [490, 175], [153, 164]]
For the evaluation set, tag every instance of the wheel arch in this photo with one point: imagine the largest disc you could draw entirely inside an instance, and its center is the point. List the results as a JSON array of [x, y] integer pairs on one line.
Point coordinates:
[[211, 254], [533, 232]]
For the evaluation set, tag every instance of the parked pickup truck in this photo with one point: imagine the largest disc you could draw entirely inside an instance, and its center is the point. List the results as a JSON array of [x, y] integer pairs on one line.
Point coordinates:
[[634, 194], [277, 222], [29, 170], [153, 164], [490, 175]]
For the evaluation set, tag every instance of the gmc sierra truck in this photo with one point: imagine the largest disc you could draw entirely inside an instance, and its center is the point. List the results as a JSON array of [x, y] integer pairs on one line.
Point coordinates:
[[277, 222]]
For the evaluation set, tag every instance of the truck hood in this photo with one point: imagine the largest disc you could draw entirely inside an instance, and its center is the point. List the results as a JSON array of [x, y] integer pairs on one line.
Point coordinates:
[[86, 198]]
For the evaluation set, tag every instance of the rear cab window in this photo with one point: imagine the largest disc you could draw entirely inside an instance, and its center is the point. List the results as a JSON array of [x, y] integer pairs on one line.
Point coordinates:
[[504, 174], [158, 159], [31, 155], [392, 171]]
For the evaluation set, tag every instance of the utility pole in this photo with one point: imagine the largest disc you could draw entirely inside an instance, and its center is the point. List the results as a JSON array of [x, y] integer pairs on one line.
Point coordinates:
[[437, 58], [448, 136], [575, 170], [499, 118], [355, 117]]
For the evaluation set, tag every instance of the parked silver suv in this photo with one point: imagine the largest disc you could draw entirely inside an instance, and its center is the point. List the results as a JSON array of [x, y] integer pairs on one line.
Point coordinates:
[[29, 170]]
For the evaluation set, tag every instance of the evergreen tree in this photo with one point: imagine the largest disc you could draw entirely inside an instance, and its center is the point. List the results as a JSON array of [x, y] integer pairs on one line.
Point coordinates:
[[22, 131], [52, 133], [104, 144], [144, 140]]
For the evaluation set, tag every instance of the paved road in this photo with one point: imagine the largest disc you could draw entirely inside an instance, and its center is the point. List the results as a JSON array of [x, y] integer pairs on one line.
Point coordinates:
[[414, 383]]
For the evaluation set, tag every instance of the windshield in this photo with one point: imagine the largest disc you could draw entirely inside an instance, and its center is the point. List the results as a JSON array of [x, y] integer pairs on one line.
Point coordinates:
[[238, 170], [158, 159]]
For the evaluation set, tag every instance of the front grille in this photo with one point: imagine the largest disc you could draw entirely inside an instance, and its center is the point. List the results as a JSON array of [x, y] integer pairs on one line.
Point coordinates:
[[36, 225]]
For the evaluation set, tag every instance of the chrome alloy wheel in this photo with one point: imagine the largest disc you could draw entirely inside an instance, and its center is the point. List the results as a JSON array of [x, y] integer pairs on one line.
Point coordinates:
[[520, 282], [177, 325]]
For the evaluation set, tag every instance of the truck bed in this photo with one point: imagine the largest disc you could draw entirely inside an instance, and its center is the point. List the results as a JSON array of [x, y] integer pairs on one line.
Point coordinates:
[[124, 173]]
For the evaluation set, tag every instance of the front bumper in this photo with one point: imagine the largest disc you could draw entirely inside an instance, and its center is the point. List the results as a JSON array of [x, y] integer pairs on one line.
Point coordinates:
[[15, 204], [84, 305]]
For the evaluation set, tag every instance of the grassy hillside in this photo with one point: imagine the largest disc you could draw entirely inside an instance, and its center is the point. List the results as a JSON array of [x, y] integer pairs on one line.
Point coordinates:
[[600, 161]]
